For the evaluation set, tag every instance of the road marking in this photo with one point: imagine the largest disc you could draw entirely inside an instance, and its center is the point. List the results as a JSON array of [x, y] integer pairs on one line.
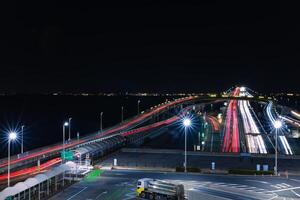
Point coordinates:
[[77, 193], [296, 180], [226, 191], [298, 195], [285, 189], [232, 184], [287, 185], [102, 193], [130, 195], [242, 186], [276, 195], [264, 182]]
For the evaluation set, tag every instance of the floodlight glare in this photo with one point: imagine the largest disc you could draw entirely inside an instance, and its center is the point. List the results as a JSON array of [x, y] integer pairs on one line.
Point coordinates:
[[12, 135], [277, 124], [187, 122], [66, 124]]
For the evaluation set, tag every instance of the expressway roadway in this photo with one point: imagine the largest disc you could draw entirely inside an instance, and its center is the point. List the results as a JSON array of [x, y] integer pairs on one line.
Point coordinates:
[[254, 140], [122, 127], [249, 130], [120, 184], [231, 133], [33, 170]]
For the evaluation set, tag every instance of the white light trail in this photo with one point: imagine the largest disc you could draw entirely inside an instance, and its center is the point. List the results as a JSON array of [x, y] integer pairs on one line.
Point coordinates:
[[283, 140], [253, 137]]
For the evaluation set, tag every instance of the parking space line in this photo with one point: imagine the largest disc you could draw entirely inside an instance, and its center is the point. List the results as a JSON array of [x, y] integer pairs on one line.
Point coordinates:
[[76, 193]]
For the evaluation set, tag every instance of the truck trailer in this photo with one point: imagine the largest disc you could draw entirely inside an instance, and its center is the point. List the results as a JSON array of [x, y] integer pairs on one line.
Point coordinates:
[[148, 188]]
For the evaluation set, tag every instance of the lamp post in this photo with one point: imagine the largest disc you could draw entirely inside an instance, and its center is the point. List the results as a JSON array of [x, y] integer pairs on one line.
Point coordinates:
[[101, 117], [22, 137], [64, 140], [277, 125], [122, 113], [138, 107], [11, 137], [70, 128], [186, 124], [64, 154]]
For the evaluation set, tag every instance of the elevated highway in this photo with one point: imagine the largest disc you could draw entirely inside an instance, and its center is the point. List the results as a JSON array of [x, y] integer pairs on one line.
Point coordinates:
[[54, 150]]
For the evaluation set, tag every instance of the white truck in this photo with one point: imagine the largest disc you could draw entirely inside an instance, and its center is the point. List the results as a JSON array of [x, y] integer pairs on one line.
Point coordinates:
[[148, 188]]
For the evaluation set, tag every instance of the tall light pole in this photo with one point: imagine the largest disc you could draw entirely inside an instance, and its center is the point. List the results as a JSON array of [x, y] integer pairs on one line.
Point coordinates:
[[70, 128], [186, 123], [138, 107], [122, 113], [64, 153], [64, 140], [11, 137], [277, 126], [22, 137], [101, 126]]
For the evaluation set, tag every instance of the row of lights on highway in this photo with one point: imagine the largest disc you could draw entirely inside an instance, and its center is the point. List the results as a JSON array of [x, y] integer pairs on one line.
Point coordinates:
[[13, 135], [186, 122]]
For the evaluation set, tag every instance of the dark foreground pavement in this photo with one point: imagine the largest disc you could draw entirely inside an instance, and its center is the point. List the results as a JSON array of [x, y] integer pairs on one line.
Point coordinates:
[[120, 185]]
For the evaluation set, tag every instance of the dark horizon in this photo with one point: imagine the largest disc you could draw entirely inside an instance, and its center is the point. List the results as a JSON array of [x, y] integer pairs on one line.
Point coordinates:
[[149, 46]]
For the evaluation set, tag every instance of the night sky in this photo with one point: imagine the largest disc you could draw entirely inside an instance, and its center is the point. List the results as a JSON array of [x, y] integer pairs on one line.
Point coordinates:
[[123, 46]]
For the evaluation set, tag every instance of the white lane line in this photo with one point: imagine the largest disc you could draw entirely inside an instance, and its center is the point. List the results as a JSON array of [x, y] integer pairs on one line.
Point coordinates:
[[285, 189], [273, 197], [264, 182], [285, 184], [296, 180], [77, 193], [298, 195], [242, 186], [102, 193]]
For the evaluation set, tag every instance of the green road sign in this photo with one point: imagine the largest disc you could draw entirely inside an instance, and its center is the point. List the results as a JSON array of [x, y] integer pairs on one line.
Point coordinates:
[[66, 155]]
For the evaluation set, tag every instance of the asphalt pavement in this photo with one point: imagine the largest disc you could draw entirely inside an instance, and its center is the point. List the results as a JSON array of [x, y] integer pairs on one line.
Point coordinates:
[[120, 185]]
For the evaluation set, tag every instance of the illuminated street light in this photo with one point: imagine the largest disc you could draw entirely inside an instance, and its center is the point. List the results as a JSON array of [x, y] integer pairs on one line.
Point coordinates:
[[277, 125], [186, 123], [63, 153], [11, 137], [242, 89], [64, 134]]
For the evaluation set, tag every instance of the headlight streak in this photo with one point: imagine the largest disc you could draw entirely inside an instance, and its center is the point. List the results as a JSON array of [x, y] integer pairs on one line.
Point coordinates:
[[282, 138]]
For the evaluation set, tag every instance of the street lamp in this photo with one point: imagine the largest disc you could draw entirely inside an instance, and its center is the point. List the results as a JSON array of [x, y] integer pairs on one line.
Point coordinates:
[[70, 128], [122, 113], [138, 107], [277, 125], [22, 136], [11, 137], [101, 127], [63, 153], [64, 135], [186, 123]]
